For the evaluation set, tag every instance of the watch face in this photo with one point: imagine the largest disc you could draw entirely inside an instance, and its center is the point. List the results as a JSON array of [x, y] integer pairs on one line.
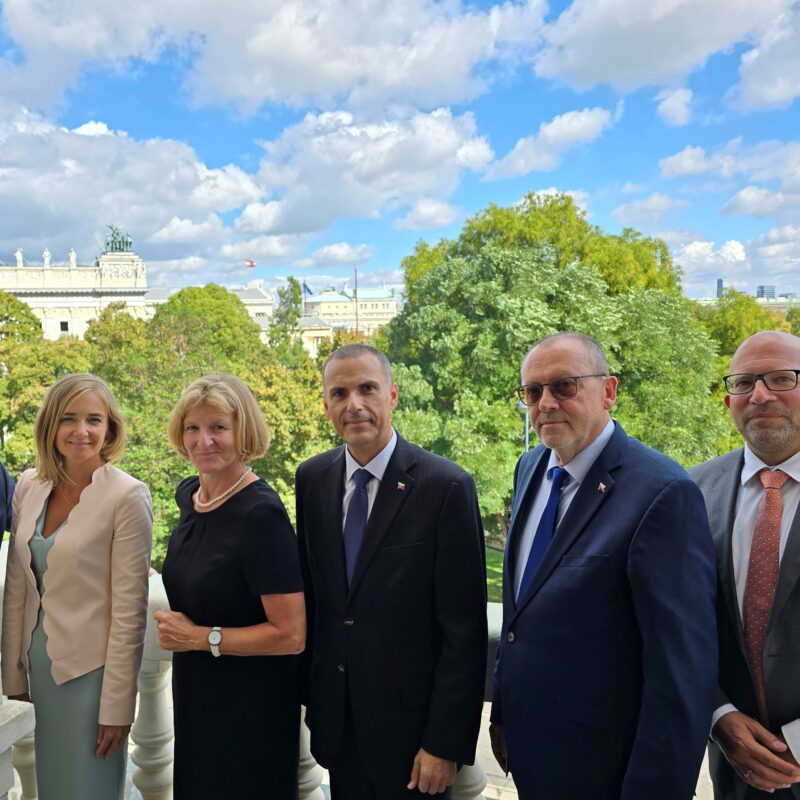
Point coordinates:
[[214, 638]]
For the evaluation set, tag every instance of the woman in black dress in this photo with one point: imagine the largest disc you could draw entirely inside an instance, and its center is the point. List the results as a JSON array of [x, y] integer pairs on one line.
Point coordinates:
[[237, 618]]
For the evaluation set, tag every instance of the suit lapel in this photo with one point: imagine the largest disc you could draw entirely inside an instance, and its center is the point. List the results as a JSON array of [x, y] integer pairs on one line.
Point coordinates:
[[332, 542], [388, 502], [582, 509], [721, 504], [789, 571], [528, 481]]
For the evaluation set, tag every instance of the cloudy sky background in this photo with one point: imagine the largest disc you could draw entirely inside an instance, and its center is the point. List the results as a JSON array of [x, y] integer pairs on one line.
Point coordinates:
[[315, 136]]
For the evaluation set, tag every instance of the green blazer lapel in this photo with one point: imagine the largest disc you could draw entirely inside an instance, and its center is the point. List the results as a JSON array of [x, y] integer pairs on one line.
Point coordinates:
[[396, 487]]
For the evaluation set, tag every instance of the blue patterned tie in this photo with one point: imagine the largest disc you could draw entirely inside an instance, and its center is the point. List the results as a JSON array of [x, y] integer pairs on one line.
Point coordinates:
[[356, 521], [544, 531]]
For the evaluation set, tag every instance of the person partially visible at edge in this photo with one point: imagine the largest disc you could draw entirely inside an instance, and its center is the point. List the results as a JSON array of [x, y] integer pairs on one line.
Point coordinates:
[[392, 550], [6, 495], [75, 604], [237, 618], [752, 495], [606, 669]]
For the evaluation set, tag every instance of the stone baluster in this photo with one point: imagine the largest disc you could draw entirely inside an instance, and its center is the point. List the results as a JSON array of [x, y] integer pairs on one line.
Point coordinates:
[[23, 757], [152, 733], [16, 722], [309, 773], [470, 782]]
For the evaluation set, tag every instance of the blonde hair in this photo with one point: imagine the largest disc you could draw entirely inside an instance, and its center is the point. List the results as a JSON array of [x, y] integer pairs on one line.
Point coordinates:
[[49, 462], [230, 395]]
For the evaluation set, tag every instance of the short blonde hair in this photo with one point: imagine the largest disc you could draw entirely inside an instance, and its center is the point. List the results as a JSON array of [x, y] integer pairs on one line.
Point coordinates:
[[228, 394], [49, 462]]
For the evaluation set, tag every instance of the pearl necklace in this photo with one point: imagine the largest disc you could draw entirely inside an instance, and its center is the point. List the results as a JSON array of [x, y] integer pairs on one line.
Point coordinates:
[[200, 504]]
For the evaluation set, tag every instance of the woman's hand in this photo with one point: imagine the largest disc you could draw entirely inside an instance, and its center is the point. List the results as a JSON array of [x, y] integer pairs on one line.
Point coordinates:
[[23, 698], [178, 633], [110, 739]]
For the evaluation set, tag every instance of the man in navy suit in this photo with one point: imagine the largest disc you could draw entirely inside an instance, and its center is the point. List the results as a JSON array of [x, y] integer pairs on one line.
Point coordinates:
[[396, 604], [6, 493], [606, 671]]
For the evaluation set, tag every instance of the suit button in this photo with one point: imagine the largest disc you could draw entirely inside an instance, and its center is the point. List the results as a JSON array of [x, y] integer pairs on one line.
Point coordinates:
[[340, 667], [511, 636], [349, 621]]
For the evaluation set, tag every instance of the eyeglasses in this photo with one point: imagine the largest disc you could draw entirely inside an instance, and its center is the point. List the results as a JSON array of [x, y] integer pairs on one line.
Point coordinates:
[[776, 380], [561, 388]]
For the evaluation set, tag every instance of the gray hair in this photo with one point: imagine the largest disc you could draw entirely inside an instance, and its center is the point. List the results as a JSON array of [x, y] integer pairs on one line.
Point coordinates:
[[594, 352], [356, 351]]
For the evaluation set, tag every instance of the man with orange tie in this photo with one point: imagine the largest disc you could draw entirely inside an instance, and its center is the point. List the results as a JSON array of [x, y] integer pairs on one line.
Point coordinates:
[[752, 497]]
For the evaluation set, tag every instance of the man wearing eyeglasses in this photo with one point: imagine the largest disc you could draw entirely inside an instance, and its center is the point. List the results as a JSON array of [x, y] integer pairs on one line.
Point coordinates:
[[752, 495], [605, 679]]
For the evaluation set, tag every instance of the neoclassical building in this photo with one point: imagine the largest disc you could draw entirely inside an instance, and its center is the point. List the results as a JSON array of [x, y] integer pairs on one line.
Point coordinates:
[[67, 297]]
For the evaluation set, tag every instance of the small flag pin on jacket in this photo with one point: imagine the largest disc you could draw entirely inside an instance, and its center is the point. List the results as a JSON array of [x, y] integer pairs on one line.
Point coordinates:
[[401, 487], [601, 488]]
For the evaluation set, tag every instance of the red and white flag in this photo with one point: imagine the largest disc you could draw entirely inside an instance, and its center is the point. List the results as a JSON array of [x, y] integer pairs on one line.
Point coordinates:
[[250, 264]]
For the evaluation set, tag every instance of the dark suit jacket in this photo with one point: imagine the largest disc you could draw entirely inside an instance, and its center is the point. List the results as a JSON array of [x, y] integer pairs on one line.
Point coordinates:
[[6, 493], [606, 672], [719, 480], [408, 639]]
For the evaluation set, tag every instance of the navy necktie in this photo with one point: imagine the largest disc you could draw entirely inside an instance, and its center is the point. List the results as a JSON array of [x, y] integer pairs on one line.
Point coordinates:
[[544, 531], [356, 521]]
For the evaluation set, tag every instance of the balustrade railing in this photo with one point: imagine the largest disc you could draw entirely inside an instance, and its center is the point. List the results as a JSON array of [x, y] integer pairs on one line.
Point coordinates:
[[152, 732]]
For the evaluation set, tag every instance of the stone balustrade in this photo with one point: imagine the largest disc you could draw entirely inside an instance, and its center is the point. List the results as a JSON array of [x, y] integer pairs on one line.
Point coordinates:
[[152, 732]]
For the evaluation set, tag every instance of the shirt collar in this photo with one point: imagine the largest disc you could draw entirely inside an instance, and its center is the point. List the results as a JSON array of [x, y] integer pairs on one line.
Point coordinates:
[[582, 462], [753, 465], [377, 466]]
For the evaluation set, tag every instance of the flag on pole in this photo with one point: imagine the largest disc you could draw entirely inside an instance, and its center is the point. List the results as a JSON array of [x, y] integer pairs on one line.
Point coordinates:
[[250, 264], [306, 288]]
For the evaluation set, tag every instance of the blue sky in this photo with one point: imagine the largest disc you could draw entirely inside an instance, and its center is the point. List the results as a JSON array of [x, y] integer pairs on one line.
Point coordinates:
[[316, 136]]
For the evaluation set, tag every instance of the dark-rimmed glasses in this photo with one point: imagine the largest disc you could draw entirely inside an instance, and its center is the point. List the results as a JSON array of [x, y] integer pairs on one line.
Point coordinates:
[[776, 380], [561, 388]]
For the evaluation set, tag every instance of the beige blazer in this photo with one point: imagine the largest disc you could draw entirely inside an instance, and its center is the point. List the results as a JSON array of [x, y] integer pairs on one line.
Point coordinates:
[[95, 588]]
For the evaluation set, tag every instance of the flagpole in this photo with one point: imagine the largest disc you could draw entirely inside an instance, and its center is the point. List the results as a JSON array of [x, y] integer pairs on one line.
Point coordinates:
[[355, 271]]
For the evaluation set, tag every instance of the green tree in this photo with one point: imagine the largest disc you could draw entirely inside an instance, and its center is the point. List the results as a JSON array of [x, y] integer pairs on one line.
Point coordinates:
[[17, 322], [624, 261], [459, 346]]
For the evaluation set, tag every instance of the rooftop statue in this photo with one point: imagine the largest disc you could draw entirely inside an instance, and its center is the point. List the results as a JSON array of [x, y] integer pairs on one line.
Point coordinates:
[[18, 256], [117, 242]]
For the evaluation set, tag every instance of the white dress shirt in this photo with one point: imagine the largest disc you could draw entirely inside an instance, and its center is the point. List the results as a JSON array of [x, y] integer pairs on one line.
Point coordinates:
[[748, 499], [577, 470], [376, 468]]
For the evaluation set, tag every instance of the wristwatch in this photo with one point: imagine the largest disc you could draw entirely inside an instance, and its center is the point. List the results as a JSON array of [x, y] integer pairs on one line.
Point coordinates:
[[215, 639]]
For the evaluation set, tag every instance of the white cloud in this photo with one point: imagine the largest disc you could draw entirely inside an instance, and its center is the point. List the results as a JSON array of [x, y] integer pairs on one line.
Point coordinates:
[[760, 202], [629, 45], [68, 186], [263, 248], [675, 106], [770, 72], [279, 51], [331, 165], [185, 231], [335, 255], [648, 210], [93, 128], [545, 150], [703, 263], [426, 214]]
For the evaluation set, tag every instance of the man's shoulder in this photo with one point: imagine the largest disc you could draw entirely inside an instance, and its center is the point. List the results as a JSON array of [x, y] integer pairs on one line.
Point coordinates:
[[659, 466], [432, 462], [319, 461], [723, 464]]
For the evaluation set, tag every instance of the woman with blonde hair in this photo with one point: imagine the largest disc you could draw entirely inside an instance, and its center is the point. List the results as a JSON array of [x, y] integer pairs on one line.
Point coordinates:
[[237, 618], [75, 604]]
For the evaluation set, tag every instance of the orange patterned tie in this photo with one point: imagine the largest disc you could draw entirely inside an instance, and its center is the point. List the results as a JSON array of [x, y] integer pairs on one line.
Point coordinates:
[[762, 577]]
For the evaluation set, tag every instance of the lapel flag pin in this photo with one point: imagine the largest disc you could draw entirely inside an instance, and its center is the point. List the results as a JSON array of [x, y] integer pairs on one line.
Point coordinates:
[[401, 487], [601, 488]]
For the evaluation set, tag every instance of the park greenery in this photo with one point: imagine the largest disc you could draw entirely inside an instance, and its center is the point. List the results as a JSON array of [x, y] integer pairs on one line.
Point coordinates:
[[474, 306]]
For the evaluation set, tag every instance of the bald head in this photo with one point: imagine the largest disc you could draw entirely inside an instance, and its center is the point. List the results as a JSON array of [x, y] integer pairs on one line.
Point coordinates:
[[769, 419]]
